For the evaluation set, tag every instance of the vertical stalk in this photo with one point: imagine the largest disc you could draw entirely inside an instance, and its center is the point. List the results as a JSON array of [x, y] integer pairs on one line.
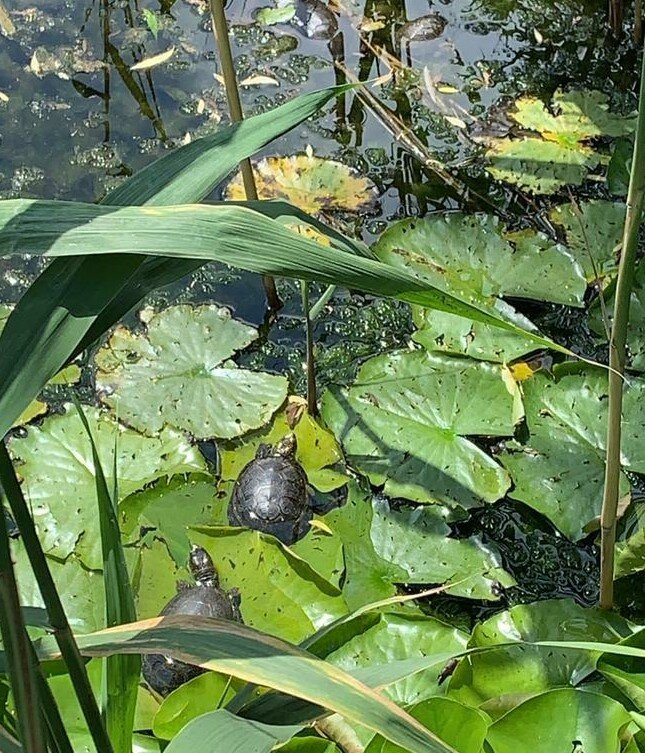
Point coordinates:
[[23, 675], [57, 618], [220, 28], [617, 342], [312, 402]]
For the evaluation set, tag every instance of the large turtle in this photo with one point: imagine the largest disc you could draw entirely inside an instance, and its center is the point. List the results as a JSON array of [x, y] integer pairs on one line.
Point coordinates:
[[271, 493], [204, 598]]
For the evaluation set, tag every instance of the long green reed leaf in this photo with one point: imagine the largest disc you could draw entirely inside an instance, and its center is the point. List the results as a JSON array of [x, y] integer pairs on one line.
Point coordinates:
[[121, 678]]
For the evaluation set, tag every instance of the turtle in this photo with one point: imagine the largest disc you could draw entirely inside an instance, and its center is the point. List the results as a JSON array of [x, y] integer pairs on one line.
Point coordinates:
[[204, 598], [271, 493]]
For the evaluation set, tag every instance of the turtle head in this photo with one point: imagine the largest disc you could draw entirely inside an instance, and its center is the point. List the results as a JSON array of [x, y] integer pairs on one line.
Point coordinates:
[[287, 446], [201, 566]]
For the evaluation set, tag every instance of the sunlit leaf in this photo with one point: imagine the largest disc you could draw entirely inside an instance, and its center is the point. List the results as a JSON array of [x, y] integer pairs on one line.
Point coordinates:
[[311, 183], [179, 374]]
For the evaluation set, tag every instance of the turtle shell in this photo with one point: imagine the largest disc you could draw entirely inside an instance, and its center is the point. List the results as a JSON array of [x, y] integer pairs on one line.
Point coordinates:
[[271, 496], [205, 599]]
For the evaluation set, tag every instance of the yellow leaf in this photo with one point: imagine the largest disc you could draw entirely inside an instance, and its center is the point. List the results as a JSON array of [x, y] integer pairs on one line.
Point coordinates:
[[454, 120], [155, 60], [4, 97], [321, 526], [447, 89], [521, 371]]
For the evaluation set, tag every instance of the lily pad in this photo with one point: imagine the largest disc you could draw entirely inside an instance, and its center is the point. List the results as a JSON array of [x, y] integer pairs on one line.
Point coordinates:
[[508, 675], [399, 636], [168, 508], [155, 578], [406, 419], [418, 541], [630, 550], [559, 471], [281, 13], [561, 156], [59, 479], [594, 231], [179, 374], [317, 449], [311, 183], [475, 257], [461, 727], [561, 720], [281, 594]]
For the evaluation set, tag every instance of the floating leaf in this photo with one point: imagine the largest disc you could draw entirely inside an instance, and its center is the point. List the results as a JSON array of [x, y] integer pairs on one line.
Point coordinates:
[[538, 166], [398, 636], [560, 469], [311, 183], [566, 717], [560, 157], [630, 551], [512, 673], [59, 479], [405, 420], [280, 593], [594, 231], [154, 61], [418, 541], [477, 258], [179, 374], [282, 13], [317, 449], [259, 80], [461, 727]]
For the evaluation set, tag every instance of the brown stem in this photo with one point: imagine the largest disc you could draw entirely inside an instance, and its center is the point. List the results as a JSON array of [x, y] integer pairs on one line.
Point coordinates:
[[220, 29]]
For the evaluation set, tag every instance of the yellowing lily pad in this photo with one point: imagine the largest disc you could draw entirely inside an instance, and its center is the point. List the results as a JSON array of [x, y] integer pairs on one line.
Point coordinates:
[[318, 451], [560, 155], [179, 374], [311, 183]]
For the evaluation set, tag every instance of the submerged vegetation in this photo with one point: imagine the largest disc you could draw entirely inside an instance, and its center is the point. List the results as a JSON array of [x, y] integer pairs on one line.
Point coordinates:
[[401, 507]]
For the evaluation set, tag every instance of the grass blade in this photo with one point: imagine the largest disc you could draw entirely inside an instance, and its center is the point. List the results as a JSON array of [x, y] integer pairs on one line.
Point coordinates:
[[23, 673], [121, 679]]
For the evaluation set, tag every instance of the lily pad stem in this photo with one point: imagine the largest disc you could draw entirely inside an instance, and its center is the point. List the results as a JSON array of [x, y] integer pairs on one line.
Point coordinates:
[[220, 29], [635, 196], [312, 401]]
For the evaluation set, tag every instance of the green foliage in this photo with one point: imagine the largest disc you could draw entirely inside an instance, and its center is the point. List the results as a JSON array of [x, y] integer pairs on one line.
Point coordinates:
[[187, 381], [406, 419], [560, 155]]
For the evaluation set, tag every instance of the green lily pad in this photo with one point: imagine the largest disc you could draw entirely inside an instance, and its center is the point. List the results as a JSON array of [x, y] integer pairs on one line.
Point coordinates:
[[559, 471], [539, 166], [418, 542], [311, 183], [200, 695], [179, 374], [280, 14], [317, 449], [81, 590], [405, 420], [155, 578], [561, 720], [463, 728], [508, 675], [575, 116], [168, 508], [630, 550], [475, 257], [399, 636], [59, 479], [593, 231], [561, 156], [281, 593]]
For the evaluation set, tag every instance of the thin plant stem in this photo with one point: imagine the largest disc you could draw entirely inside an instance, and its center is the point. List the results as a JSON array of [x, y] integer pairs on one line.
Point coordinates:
[[617, 343], [23, 675], [316, 310], [220, 29], [58, 738], [57, 618], [312, 401]]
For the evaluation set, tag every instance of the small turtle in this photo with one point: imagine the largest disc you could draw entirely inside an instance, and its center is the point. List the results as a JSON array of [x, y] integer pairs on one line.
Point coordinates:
[[423, 29], [271, 493], [314, 20], [206, 599]]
